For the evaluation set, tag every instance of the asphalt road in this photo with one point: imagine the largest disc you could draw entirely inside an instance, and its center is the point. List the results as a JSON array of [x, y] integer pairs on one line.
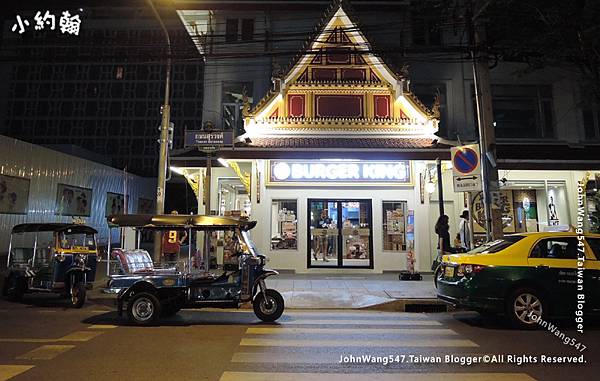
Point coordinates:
[[43, 340]]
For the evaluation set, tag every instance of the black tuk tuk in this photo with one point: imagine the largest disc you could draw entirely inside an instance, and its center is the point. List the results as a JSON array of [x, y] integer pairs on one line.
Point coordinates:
[[148, 293], [51, 257]]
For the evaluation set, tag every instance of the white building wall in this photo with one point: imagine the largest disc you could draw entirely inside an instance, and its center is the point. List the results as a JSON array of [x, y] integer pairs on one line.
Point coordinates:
[[426, 214], [46, 168]]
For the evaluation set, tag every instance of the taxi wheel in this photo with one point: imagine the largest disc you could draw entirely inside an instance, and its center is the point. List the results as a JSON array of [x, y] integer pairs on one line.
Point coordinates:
[[525, 307], [144, 309], [269, 309]]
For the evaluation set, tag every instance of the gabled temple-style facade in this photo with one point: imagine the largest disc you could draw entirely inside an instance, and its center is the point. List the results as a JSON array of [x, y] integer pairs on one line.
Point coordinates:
[[328, 159], [337, 161], [338, 89]]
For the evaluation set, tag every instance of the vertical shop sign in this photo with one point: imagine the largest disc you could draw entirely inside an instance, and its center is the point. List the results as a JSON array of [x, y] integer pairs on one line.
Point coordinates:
[[506, 205]]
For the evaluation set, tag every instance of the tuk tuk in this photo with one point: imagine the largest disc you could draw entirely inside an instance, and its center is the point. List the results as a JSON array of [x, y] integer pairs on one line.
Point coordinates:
[[51, 258], [148, 292]]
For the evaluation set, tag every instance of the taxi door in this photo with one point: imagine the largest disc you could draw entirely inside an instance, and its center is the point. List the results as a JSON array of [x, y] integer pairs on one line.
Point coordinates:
[[553, 263]]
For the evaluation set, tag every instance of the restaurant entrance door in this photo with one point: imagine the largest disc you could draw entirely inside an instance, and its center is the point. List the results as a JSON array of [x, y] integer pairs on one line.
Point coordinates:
[[340, 233]]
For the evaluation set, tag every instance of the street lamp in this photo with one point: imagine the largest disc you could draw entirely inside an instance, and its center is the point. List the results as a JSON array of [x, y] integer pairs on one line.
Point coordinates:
[[164, 136]]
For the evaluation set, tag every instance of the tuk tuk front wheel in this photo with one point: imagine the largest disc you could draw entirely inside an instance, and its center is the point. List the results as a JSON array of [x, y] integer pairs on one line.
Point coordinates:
[[269, 309], [14, 288], [78, 295], [143, 309]]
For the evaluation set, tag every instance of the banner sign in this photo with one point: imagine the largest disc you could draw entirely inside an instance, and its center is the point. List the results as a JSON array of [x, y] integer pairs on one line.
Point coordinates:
[[339, 172]]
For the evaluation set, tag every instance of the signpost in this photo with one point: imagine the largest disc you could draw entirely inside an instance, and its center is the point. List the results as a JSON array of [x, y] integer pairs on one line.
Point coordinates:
[[466, 168], [209, 141]]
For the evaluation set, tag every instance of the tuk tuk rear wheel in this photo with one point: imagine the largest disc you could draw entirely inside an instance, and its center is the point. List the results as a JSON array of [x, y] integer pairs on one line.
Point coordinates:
[[270, 309], [144, 309], [14, 288], [78, 295]]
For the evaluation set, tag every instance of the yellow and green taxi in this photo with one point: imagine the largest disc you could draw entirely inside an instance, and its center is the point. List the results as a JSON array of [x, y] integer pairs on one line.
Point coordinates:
[[526, 276]]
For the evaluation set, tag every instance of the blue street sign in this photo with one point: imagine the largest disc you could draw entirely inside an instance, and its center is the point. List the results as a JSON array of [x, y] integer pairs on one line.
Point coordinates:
[[465, 160]]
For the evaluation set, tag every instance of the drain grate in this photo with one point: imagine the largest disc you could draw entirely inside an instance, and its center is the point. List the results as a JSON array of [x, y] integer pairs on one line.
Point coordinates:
[[425, 308]]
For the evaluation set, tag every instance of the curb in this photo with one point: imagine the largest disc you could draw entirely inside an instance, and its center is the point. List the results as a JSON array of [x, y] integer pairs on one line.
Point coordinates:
[[416, 305]]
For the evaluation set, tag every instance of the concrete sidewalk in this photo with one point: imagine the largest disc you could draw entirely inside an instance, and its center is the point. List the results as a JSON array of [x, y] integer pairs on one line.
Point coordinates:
[[350, 291], [335, 291]]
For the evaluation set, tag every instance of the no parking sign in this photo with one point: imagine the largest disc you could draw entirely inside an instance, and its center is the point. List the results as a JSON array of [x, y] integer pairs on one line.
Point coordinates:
[[466, 167]]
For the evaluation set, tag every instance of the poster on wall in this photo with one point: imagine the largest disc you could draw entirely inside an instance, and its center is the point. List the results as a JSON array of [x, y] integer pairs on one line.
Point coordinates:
[[115, 204], [14, 194], [145, 206], [73, 201], [508, 215], [525, 206]]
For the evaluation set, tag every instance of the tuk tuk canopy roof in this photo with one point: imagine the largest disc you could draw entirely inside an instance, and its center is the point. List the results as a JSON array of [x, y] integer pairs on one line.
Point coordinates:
[[179, 221], [53, 227]]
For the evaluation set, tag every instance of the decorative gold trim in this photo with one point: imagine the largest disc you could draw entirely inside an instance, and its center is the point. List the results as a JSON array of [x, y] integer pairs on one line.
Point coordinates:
[[193, 178], [243, 176]]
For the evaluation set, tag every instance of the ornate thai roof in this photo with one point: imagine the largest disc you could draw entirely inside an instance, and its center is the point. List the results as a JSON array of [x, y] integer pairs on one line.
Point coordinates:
[[337, 85]]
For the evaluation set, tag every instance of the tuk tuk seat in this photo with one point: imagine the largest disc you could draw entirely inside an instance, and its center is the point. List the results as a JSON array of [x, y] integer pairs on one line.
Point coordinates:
[[21, 255], [137, 261], [134, 261]]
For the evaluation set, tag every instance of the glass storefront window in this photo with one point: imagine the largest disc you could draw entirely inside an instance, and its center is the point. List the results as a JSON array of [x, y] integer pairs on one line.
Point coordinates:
[[233, 198], [592, 200], [284, 224], [340, 233], [394, 225]]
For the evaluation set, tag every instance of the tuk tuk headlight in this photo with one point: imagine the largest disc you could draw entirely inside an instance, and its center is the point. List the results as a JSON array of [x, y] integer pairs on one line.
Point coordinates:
[[80, 260]]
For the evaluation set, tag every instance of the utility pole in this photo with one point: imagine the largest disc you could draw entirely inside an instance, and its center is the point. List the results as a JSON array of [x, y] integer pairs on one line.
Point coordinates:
[[438, 164], [164, 136], [485, 121], [207, 211]]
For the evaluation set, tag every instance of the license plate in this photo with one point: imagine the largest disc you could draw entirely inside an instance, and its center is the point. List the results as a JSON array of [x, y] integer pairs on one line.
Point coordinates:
[[449, 272]]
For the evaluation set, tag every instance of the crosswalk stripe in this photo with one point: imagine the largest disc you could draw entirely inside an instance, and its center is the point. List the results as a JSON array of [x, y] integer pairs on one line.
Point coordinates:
[[409, 331], [360, 322], [424, 342], [261, 376], [75, 336], [25, 340], [278, 358], [45, 352], [80, 336], [102, 326], [10, 371]]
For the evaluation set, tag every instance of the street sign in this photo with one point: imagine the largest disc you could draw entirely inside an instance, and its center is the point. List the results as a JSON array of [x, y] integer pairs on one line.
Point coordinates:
[[467, 183], [206, 139], [466, 168]]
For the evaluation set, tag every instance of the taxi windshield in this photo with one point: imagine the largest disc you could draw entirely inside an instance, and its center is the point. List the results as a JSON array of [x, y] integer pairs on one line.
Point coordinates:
[[497, 245]]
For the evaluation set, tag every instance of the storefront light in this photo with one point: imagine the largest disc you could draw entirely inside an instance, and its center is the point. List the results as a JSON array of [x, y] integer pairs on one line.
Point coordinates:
[[177, 170], [223, 162], [430, 187]]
